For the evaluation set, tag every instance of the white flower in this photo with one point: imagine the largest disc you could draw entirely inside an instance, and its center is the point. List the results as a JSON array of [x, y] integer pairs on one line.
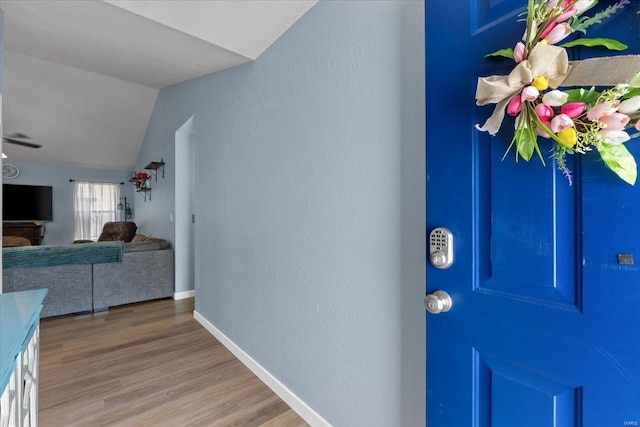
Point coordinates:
[[615, 137], [555, 98], [630, 105]]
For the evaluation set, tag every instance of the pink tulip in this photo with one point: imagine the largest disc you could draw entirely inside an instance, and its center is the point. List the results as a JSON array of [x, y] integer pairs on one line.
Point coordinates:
[[560, 123], [530, 94], [548, 30], [600, 110], [558, 33], [514, 106], [518, 52], [567, 14], [584, 5], [573, 109], [551, 4], [544, 112], [543, 133], [638, 125], [614, 121]]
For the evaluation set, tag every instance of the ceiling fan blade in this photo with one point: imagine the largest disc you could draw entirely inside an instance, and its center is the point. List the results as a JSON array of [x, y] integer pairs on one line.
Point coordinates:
[[14, 134], [23, 143]]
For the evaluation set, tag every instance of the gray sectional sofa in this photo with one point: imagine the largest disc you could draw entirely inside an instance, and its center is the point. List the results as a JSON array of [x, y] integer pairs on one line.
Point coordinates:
[[69, 286], [145, 273], [141, 276]]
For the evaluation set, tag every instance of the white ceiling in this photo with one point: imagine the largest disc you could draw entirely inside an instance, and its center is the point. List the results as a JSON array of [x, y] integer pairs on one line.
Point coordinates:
[[81, 77]]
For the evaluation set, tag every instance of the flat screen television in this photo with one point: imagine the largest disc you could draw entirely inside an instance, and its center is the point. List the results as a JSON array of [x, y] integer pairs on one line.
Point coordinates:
[[27, 202]]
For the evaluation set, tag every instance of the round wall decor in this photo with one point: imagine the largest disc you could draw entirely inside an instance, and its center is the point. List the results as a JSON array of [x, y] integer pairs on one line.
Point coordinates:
[[10, 171]]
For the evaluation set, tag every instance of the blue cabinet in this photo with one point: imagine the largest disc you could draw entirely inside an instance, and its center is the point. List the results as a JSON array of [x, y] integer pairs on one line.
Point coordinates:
[[19, 357]]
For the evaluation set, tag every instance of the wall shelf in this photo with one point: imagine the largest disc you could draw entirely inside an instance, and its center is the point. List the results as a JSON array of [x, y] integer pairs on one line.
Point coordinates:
[[154, 167], [142, 184], [144, 192], [142, 187]]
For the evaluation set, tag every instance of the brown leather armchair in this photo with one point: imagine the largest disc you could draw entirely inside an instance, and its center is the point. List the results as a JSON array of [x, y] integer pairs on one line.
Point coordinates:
[[115, 231]]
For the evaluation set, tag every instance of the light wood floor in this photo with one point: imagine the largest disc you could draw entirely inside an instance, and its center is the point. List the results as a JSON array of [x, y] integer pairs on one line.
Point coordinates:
[[148, 364]]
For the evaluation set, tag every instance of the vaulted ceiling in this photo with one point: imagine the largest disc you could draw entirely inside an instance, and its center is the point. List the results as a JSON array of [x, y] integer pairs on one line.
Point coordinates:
[[80, 77]]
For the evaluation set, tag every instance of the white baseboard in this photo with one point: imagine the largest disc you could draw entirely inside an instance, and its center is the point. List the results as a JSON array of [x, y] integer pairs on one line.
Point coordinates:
[[301, 408], [183, 295]]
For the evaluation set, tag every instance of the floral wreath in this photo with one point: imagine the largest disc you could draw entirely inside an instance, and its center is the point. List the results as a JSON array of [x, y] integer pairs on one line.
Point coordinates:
[[577, 120]]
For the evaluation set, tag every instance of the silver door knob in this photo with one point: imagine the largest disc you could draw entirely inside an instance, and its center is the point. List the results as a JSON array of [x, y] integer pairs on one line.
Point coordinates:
[[438, 302]]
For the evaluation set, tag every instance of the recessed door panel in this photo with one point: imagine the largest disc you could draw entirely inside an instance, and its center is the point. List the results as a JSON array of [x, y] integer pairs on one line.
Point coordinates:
[[510, 395], [532, 234]]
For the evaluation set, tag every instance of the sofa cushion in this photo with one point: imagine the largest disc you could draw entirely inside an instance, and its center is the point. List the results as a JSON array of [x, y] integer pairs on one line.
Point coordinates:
[[140, 243], [142, 238], [118, 230]]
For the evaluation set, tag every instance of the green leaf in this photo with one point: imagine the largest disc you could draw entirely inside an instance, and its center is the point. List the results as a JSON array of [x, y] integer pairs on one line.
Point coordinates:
[[633, 91], [525, 143], [506, 53], [634, 83], [610, 44], [582, 95], [619, 159]]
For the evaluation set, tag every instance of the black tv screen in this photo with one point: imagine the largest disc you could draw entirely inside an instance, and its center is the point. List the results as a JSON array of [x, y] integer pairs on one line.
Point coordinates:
[[27, 202]]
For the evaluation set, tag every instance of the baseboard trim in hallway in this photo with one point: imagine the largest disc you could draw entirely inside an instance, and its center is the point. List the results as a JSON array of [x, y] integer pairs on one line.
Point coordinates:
[[290, 398], [184, 295]]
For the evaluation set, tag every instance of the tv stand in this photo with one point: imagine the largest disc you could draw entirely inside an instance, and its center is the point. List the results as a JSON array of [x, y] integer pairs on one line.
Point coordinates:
[[30, 230]]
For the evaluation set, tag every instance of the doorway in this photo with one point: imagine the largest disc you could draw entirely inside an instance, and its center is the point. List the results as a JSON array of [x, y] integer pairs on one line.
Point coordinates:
[[184, 211]]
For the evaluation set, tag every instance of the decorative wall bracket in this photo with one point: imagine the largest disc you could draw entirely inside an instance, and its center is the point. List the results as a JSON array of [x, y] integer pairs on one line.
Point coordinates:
[[141, 179], [144, 192], [154, 167], [141, 182]]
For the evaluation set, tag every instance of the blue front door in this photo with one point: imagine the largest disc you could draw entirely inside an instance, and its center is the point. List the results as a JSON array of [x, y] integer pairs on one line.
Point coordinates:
[[544, 328]]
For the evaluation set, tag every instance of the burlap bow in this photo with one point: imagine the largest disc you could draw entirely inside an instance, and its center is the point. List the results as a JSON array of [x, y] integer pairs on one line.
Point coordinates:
[[551, 62]]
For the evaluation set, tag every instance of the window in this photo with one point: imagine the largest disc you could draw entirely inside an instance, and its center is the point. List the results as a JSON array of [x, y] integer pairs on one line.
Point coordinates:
[[94, 204]]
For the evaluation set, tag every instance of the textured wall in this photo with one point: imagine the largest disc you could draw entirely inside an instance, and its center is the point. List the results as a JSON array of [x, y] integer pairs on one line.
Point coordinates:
[[310, 207]]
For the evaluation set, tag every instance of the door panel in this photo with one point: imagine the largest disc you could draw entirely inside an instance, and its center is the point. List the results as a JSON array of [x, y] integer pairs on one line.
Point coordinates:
[[543, 328], [509, 395], [532, 233]]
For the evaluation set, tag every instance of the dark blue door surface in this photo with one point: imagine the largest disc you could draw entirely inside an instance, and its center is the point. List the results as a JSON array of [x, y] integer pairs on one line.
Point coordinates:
[[544, 329]]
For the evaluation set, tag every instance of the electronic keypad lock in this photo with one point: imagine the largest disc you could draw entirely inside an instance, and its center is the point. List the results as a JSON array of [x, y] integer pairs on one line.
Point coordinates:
[[441, 248]]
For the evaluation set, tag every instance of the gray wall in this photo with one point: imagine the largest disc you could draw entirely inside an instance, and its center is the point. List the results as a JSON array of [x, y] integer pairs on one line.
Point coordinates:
[[60, 230], [310, 204]]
